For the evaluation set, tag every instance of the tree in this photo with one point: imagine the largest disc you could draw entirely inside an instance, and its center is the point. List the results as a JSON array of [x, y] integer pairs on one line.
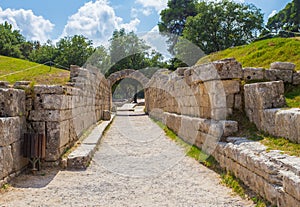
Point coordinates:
[[73, 50], [287, 19], [223, 24], [10, 41], [173, 19], [43, 53], [127, 51]]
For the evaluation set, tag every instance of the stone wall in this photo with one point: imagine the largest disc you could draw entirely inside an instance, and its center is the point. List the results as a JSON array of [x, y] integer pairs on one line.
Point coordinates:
[[271, 174], [263, 106], [12, 127], [62, 113], [197, 102]]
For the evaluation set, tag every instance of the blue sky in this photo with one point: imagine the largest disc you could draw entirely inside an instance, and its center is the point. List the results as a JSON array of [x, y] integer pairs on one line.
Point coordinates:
[[97, 19]]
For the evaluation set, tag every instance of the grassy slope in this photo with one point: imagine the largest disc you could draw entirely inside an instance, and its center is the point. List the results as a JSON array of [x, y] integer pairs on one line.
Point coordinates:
[[13, 69], [261, 53]]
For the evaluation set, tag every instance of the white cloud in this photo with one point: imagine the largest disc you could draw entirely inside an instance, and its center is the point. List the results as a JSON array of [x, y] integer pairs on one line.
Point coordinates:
[[158, 5], [135, 12], [157, 41], [272, 13], [97, 21], [31, 26]]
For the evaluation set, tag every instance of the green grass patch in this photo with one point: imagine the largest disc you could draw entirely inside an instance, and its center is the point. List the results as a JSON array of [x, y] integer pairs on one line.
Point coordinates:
[[231, 181], [261, 53], [292, 96], [13, 69]]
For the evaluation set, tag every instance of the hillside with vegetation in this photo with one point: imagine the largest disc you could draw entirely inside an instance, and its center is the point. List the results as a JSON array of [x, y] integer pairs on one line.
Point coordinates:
[[261, 53], [13, 69]]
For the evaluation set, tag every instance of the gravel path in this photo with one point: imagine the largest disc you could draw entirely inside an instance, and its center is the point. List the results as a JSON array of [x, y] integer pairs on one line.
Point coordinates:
[[136, 165]]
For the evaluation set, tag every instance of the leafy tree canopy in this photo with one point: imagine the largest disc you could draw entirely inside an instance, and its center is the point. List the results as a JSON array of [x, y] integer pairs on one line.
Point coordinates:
[[224, 24], [287, 19], [173, 19]]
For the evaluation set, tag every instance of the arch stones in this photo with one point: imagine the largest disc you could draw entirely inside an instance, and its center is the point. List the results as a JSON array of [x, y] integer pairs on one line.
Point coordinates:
[[128, 73]]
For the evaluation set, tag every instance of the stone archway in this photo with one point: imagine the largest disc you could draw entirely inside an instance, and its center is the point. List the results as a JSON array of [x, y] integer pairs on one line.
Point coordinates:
[[128, 73]]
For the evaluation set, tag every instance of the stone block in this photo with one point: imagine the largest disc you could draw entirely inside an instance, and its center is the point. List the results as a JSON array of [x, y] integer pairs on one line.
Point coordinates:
[[238, 101], [12, 102], [229, 127], [287, 124], [296, 78], [218, 70], [57, 138], [45, 115], [254, 74], [283, 66], [6, 161], [275, 75], [268, 120], [231, 86], [10, 130], [19, 161], [52, 102], [291, 184], [264, 95], [48, 89]]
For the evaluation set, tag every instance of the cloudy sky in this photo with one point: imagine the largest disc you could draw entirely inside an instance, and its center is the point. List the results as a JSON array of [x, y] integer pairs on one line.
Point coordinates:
[[96, 19]]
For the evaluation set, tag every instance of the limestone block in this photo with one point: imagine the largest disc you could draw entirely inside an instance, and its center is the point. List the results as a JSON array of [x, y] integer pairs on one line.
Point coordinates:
[[48, 89], [231, 86], [291, 184], [238, 101], [220, 113], [57, 137], [268, 120], [45, 115], [254, 74], [19, 161], [52, 102], [296, 78], [12, 102], [10, 130], [275, 74], [6, 161], [287, 124], [264, 95], [229, 127], [283, 66], [218, 70]]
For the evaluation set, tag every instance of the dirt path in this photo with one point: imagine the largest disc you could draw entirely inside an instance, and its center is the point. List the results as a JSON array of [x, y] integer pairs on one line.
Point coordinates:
[[136, 165]]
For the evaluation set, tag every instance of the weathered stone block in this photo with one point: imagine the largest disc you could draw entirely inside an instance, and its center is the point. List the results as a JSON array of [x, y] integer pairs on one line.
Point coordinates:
[[10, 130], [53, 102], [264, 95], [48, 89], [12, 102], [291, 184], [6, 161], [296, 78], [287, 124], [268, 118], [275, 75], [45, 115], [219, 70], [254, 73], [19, 161], [283, 66]]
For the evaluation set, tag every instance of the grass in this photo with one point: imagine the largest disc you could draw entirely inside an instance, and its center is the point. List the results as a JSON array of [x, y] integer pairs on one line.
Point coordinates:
[[249, 130], [261, 53], [227, 178], [4, 188], [292, 96], [13, 69]]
